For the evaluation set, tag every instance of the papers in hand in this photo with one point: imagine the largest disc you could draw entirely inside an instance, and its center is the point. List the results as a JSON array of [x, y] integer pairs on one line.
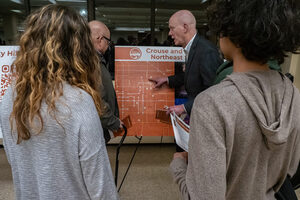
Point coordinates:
[[181, 131], [162, 116], [127, 122]]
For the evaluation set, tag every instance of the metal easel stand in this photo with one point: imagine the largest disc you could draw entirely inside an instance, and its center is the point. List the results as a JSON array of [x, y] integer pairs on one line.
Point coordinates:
[[117, 158]]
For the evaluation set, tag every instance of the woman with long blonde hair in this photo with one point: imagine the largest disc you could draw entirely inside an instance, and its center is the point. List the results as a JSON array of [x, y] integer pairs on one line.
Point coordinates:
[[50, 115]]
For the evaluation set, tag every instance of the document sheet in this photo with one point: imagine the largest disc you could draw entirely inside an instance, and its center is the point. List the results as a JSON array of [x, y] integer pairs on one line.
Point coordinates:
[[181, 131]]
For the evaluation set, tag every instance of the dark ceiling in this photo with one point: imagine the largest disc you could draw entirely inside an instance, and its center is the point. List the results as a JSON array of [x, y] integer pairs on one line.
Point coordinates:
[[117, 14]]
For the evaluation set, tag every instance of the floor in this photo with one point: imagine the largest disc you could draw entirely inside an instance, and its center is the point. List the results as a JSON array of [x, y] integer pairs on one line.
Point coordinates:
[[149, 172], [148, 177]]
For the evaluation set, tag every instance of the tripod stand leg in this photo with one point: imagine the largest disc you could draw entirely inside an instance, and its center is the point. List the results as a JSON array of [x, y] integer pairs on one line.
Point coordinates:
[[137, 146], [117, 155]]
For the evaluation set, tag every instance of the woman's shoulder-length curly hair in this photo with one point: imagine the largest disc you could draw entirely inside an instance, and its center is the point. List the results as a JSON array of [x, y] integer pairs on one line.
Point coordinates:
[[55, 48], [263, 29]]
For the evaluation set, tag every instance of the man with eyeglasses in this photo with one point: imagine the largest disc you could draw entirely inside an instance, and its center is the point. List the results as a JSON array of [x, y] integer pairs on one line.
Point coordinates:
[[110, 118]]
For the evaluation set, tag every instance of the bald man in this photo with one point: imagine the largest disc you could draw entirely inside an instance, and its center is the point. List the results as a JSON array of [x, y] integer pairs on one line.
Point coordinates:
[[110, 119], [202, 60], [100, 36]]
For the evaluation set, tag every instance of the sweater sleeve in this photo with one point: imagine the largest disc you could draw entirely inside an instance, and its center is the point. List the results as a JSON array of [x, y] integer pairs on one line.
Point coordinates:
[[206, 173], [8, 93], [6, 149], [178, 169], [93, 158]]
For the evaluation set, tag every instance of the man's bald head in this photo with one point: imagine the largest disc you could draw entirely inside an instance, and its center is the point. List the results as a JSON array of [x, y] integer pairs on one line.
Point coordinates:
[[182, 26], [99, 33], [185, 17]]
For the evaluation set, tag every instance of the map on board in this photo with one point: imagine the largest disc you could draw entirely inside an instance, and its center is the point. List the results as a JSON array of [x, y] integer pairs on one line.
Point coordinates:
[[136, 95]]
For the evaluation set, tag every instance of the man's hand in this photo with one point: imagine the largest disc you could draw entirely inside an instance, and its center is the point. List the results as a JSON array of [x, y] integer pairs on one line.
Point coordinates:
[[181, 155], [120, 130], [121, 124], [177, 109], [158, 82]]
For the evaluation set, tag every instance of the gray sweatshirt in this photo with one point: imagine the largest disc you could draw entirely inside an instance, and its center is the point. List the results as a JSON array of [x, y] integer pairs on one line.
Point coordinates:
[[244, 139], [60, 163]]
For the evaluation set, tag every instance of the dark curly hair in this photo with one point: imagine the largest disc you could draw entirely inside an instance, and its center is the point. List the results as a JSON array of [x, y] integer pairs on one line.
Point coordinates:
[[263, 29]]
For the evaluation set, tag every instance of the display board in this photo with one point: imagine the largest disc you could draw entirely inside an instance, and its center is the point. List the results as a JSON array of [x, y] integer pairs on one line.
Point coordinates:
[[7, 56], [137, 97]]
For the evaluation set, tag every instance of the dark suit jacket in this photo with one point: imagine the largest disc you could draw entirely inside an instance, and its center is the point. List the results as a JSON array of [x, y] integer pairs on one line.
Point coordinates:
[[110, 116], [200, 71]]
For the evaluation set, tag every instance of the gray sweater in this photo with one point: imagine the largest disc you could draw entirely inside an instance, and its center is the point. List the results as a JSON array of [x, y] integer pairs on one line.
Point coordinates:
[[244, 139], [60, 163]]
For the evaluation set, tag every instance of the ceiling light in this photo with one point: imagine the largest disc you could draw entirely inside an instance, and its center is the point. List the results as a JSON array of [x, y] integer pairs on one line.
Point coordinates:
[[52, 1], [16, 11], [83, 12], [16, 1]]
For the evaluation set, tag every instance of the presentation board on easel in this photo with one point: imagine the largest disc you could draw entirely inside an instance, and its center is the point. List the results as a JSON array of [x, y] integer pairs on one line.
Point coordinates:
[[7, 56], [137, 97]]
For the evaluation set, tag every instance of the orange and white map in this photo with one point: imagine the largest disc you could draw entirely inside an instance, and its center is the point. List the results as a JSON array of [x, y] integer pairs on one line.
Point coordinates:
[[136, 95]]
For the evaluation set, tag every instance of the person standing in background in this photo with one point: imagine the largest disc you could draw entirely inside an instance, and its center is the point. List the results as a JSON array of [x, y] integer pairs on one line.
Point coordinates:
[[49, 117], [202, 60], [245, 132], [110, 118]]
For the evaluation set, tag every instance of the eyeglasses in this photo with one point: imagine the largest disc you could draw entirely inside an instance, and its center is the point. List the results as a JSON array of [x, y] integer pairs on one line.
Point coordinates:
[[107, 39]]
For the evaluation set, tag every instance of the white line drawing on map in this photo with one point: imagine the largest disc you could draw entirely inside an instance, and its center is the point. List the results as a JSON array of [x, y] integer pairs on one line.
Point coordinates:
[[136, 95]]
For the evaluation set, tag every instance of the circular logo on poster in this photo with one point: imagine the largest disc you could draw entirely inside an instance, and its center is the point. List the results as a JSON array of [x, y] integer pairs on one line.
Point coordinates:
[[135, 53], [5, 68]]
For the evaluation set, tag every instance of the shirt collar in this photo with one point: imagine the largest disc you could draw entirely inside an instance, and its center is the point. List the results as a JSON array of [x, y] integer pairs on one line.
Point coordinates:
[[188, 46]]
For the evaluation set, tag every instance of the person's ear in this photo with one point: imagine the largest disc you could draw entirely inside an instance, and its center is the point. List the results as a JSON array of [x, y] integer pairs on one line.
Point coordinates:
[[186, 28]]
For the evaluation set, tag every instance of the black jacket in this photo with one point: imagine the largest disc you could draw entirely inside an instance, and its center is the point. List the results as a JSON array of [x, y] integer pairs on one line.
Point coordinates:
[[110, 116], [200, 71]]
